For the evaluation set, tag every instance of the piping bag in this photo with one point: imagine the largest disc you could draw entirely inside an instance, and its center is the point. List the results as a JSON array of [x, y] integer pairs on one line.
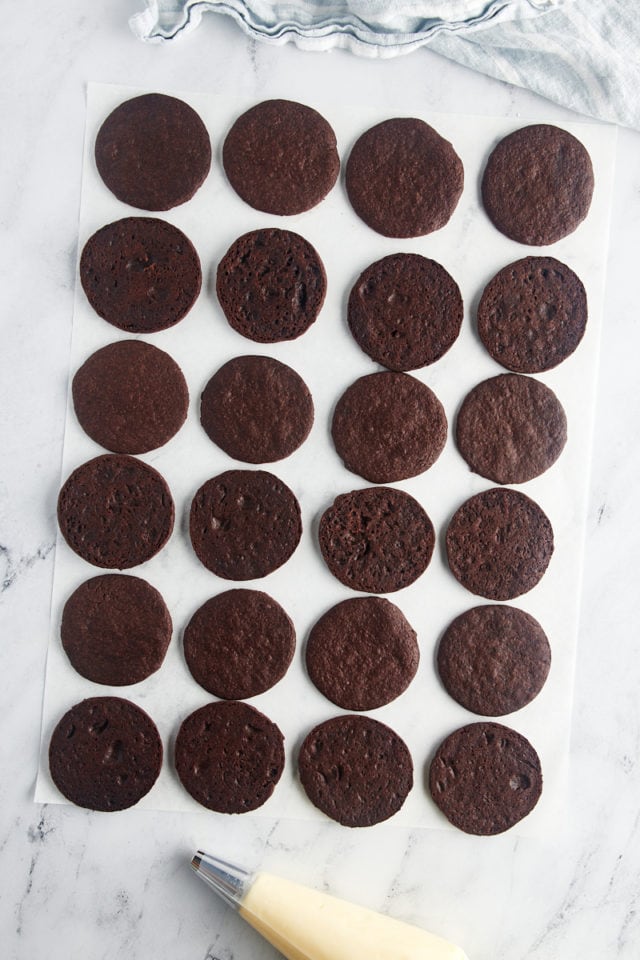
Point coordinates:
[[305, 924]]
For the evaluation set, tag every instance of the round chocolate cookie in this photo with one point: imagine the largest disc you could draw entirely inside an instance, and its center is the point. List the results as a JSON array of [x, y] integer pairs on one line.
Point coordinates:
[[256, 409], [239, 644], [356, 770], [153, 152], [229, 756], [105, 754], [388, 426], [405, 311], [485, 778], [281, 157], [537, 185], [499, 544], [363, 653], [244, 524], [494, 659], [115, 511], [376, 540], [511, 428], [403, 179], [140, 274], [115, 629], [271, 285], [532, 315], [130, 397]]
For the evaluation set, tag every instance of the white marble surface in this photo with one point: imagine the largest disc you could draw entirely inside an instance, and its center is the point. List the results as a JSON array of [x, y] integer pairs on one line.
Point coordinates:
[[81, 884]]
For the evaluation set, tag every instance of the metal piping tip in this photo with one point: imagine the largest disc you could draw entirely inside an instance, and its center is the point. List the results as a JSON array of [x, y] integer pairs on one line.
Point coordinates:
[[228, 880]]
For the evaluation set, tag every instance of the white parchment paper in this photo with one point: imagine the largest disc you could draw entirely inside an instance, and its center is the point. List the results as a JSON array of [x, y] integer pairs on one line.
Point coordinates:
[[329, 360]]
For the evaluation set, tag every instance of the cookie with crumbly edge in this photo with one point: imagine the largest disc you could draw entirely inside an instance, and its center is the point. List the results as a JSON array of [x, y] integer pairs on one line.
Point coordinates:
[[403, 178], [115, 629], [485, 778], [281, 157], [494, 659], [229, 756], [362, 653], [376, 540], [538, 184], [153, 152], [356, 770], [105, 754], [239, 644]]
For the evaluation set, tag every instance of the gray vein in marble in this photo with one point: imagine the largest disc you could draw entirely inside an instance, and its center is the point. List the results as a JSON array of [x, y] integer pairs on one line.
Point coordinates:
[[10, 571]]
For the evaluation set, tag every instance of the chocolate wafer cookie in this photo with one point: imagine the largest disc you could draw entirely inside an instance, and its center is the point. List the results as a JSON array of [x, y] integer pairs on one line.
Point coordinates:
[[115, 511], [140, 274], [281, 157], [256, 409], [362, 653], [377, 540], [499, 544], [271, 285], [403, 179], [494, 659], [239, 644], [388, 426], [153, 152], [485, 778], [356, 770], [532, 314], [115, 629], [537, 185], [105, 754], [511, 429], [229, 756], [244, 524], [405, 311], [130, 397]]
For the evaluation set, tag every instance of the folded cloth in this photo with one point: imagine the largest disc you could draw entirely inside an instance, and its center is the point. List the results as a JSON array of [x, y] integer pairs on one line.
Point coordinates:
[[582, 54]]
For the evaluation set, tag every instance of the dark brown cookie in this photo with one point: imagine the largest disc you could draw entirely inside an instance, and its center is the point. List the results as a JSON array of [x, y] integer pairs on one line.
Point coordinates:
[[229, 756], [130, 397], [494, 659], [511, 428], [405, 311], [376, 540], [239, 644], [281, 157], [388, 426], [244, 524], [485, 778], [356, 770], [257, 409], [271, 285], [105, 754], [115, 511], [153, 152], [140, 274], [363, 653], [537, 185], [403, 179], [115, 629], [499, 544], [532, 315]]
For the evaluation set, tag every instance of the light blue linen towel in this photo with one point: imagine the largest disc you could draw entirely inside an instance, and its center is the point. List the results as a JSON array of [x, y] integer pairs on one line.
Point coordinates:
[[582, 54]]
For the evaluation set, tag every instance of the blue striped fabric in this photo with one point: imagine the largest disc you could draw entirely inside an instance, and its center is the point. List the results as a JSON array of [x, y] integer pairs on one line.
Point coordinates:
[[582, 54]]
